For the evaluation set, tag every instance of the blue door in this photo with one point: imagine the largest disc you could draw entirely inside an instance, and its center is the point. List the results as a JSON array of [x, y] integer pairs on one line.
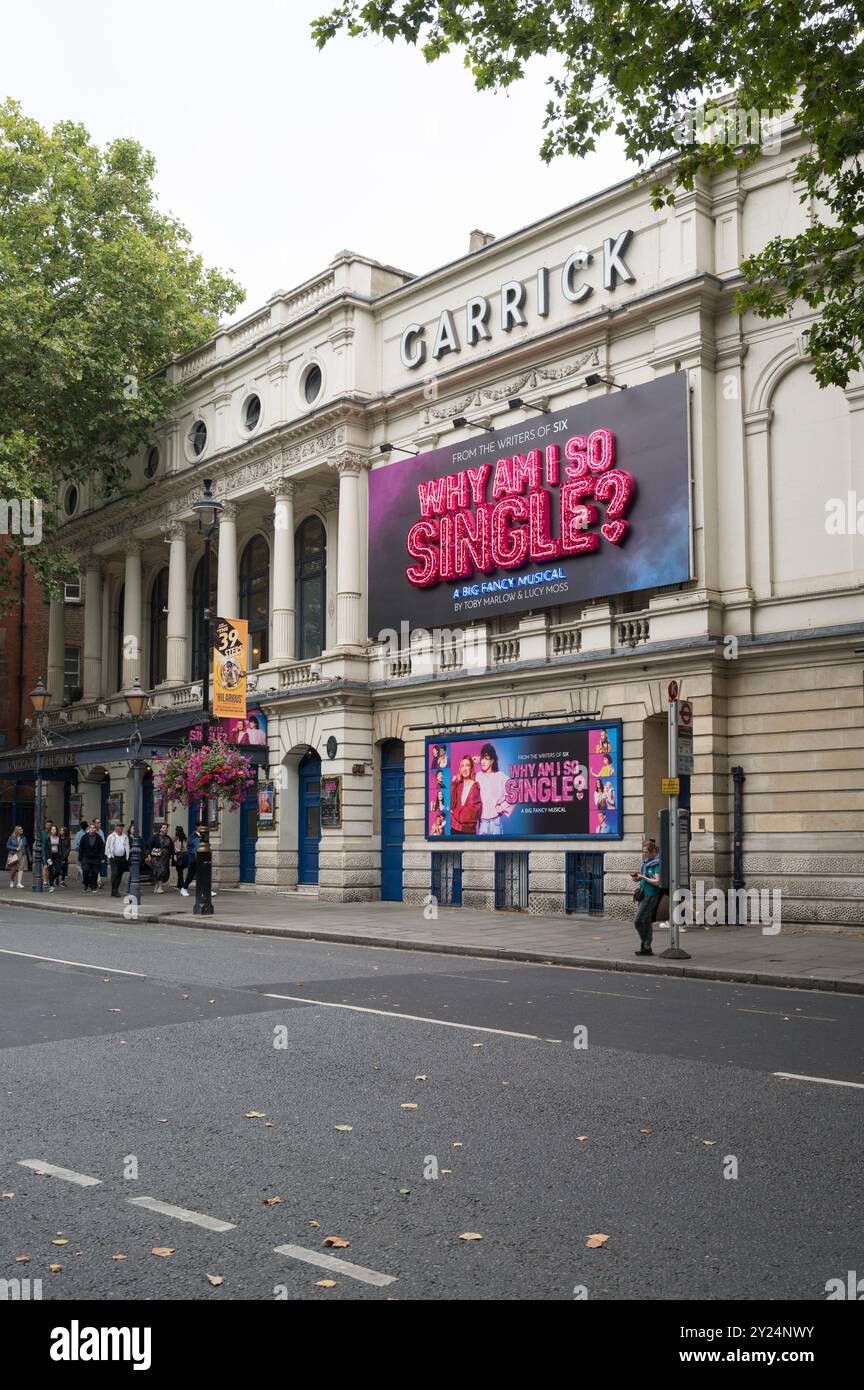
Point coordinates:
[[309, 829], [392, 819], [248, 838]]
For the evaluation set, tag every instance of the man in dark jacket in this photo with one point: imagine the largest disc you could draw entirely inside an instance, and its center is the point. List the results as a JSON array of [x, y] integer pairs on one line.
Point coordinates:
[[90, 852], [193, 845]]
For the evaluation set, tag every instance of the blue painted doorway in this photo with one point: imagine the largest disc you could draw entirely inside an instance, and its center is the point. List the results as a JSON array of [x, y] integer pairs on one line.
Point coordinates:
[[248, 837], [309, 827], [392, 818]]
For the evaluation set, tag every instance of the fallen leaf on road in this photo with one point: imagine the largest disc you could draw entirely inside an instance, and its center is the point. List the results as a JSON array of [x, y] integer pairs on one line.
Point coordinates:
[[268, 1124], [113, 1011], [594, 1242], [161, 1121], [581, 1138], [255, 1115], [408, 1105], [344, 1129], [457, 1144], [119, 1257], [470, 1235], [55, 1269], [163, 1251], [211, 1001], [421, 1078], [40, 1172], [23, 1259], [60, 1242], [446, 1170], [184, 996], [476, 1044], [8, 1194], [336, 1242], [313, 1223], [646, 1131], [272, 1201], [216, 1279], [327, 1283], [404, 1191], [709, 1142]]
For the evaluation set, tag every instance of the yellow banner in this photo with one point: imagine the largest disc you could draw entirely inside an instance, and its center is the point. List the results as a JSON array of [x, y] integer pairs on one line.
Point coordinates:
[[230, 650]]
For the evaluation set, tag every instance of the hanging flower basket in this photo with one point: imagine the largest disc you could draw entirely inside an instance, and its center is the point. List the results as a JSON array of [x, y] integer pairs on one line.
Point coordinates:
[[218, 771]]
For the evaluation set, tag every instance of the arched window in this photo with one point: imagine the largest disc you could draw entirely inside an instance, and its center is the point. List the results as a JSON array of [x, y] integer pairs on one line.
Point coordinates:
[[200, 644], [118, 662], [255, 599], [310, 566], [159, 629]]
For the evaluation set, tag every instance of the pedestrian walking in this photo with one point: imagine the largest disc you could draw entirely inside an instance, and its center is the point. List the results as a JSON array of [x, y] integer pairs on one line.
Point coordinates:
[[194, 844], [17, 857], [76, 843], [181, 858], [52, 856], [117, 854], [160, 853], [65, 851], [90, 852], [647, 896]]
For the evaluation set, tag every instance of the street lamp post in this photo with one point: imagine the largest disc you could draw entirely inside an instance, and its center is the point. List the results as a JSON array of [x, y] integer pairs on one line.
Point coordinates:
[[39, 700], [208, 511], [137, 700]]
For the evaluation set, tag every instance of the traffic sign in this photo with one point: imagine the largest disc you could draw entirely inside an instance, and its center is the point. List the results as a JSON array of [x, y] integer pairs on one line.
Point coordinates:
[[685, 714], [672, 691], [670, 786]]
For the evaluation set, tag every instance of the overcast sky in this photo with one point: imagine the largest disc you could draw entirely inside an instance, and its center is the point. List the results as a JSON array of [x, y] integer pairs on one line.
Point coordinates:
[[277, 156]]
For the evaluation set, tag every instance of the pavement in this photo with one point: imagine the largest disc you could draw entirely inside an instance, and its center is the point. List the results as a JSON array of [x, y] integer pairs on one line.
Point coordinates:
[[798, 957]]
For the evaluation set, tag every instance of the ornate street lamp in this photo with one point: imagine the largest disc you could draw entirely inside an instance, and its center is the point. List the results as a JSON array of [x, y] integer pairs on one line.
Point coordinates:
[[208, 511], [137, 700], [39, 700]]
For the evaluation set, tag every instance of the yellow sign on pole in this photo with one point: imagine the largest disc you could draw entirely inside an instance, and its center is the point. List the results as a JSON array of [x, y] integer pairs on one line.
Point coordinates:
[[670, 786], [230, 647]]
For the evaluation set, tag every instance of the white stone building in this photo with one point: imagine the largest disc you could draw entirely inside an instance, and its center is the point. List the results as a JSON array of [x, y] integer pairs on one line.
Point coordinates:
[[287, 411]]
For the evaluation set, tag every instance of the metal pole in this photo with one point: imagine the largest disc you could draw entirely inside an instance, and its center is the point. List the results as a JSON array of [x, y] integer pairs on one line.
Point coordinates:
[[203, 905], [135, 847], [674, 951], [738, 881], [37, 819]]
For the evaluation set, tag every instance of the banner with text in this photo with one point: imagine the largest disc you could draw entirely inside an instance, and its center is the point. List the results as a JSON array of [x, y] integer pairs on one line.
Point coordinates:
[[590, 501], [529, 783], [230, 646]]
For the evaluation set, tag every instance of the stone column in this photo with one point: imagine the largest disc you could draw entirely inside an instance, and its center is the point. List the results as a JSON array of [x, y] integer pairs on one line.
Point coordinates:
[[106, 681], [131, 632], [282, 492], [56, 651], [92, 683], [174, 535], [227, 599], [349, 466]]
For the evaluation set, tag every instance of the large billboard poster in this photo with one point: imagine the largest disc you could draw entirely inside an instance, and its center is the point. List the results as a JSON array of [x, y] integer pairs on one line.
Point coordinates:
[[230, 647], [587, 502], [524, 784]]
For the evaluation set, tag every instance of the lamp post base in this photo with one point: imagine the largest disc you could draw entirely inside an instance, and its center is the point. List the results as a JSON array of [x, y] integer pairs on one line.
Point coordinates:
[[203, 905]]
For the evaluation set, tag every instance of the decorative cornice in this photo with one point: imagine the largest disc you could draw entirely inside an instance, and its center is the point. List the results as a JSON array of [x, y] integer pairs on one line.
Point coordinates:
[[533, 379]]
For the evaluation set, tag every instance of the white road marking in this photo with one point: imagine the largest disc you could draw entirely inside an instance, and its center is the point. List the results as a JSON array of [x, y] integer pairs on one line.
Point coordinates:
[[109, 969], [484, 979], [822, 1080], [315, 1257], [195, 1218], [415, 1018], [610, 994], [772, 1013], [67, 1174]]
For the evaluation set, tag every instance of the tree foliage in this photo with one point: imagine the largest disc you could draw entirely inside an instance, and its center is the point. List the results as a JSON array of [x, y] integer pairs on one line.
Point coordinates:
[[98, 291], [636, 66]]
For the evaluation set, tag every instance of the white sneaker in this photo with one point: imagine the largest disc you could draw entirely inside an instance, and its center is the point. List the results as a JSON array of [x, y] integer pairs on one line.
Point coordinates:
[[51, 889], [184, 892]]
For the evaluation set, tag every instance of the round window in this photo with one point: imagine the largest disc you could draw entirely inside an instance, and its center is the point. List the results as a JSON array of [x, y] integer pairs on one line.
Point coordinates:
[[70, 501], [152, 463], [198, 437], [252, 412], [312, 384]]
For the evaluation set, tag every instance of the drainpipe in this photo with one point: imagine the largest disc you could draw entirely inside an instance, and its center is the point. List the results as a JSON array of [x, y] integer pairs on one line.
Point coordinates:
[[738, 780]]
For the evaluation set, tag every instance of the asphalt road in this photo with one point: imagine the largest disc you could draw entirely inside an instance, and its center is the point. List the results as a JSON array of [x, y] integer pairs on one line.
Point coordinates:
[[133, 1054]]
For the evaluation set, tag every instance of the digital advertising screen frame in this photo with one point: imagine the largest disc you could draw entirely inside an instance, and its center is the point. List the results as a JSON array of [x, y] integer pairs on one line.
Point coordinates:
[[583, 503], [538, 777]]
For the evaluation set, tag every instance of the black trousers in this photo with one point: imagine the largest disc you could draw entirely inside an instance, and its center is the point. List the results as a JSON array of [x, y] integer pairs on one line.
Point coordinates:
[[118, 869], [90, 873], [191, 872], [644, 919]]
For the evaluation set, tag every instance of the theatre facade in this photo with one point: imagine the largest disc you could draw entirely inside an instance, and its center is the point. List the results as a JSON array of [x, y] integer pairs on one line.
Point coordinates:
[[478, 520]]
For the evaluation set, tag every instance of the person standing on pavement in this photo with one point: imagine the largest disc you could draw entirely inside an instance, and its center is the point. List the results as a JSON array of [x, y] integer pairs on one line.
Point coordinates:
[[180, 858], [117, 852], [90, 852], [65, 851], [647, 896], [103, 866], [160, 852], [76, 843], [53, 861], [17, 857], [194, 844]]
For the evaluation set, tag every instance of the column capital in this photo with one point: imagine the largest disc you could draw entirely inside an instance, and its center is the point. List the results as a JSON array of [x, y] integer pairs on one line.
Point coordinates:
[[280, 487], [133, 547], [228, 512], [173, 530], [349, 462], [90, 562]]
